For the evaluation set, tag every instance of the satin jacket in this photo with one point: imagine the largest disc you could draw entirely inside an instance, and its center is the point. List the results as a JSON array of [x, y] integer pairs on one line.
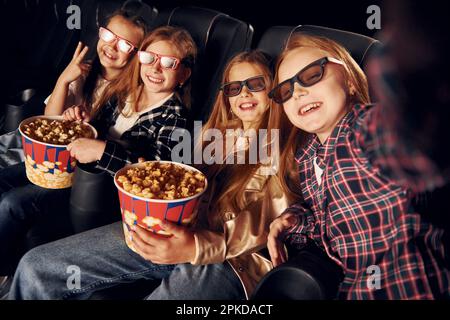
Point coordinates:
[[237, 237]]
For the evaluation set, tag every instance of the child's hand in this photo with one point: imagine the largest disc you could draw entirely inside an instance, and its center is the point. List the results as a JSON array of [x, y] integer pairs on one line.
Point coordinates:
[[179, 248], [76, 113], [87, 150], [275, 244], [76, 67]]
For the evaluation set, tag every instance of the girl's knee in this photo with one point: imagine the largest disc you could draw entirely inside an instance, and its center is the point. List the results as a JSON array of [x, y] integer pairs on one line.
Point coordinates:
[[10, 204], [30, 263]]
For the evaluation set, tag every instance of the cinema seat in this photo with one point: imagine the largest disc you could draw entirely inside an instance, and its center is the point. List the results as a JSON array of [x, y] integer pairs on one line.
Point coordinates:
[[39, 56]]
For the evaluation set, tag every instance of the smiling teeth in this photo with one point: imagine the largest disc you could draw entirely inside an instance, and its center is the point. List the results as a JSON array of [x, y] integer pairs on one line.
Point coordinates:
[[108, 55], [154, 79], [247, 105], [309, 107]]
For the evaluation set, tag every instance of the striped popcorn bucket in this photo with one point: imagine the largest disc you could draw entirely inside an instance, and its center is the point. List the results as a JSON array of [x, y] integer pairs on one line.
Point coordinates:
[[47, 165], [148, 213]]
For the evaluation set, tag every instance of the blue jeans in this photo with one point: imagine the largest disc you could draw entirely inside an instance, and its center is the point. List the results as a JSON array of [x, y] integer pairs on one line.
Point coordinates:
[[22, 206], [104, 260]]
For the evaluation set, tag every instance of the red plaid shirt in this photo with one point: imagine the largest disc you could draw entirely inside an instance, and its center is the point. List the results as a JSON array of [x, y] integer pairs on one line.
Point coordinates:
[[364, 220]]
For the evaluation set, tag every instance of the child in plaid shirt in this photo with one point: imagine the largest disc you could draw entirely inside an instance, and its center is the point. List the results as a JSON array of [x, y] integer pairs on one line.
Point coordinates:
[[140, 111], [143, 108], [350, 206]]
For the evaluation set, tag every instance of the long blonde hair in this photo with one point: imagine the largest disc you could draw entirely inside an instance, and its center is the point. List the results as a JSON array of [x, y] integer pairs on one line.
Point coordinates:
[[234, 177], [128, 87], [292, 137]]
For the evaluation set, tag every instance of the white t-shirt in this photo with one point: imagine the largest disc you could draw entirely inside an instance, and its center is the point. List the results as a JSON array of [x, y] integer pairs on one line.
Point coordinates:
[[125, 122], [75, 92], [318, 172]]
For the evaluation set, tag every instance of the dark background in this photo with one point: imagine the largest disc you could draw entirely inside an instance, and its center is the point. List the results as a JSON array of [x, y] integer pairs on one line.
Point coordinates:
[[340, 14], [25, 27]]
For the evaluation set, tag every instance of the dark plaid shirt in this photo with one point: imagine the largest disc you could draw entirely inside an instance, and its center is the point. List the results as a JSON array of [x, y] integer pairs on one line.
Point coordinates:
[[150, 137], [364, 220]]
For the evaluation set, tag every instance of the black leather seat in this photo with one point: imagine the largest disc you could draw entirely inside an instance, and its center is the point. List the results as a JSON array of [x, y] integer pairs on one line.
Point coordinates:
[[40, 55], [309, 274], [360, 47]]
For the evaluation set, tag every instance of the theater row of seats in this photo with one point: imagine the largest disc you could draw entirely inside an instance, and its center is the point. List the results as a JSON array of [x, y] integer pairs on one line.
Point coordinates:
[[47, 46]]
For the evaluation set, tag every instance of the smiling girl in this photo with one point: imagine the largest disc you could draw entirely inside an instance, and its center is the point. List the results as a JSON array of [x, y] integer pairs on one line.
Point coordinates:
[[362, 219], [81, 84], [142, 108]]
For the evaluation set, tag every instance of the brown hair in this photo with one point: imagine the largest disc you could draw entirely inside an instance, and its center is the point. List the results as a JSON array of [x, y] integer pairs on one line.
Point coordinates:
[[291, 137], [89, 87], [234, 177], [128, 86]]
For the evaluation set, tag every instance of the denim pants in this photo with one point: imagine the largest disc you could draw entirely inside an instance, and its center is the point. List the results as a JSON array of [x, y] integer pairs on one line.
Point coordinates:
[[102, 260], [22, 206]]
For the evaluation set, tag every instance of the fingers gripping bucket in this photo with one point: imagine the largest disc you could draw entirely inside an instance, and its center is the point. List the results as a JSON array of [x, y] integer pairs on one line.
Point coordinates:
[[149, 213]]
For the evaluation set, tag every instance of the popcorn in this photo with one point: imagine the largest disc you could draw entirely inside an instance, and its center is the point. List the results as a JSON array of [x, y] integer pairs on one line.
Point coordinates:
[[165, 181], [59, 132], [157, 191]]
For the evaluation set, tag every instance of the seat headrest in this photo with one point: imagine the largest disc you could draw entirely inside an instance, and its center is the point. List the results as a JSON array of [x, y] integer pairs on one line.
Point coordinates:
[[218, 37], [198, 21], [360, 47]]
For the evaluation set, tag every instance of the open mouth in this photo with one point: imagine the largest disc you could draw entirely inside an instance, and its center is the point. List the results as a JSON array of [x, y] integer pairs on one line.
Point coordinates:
[[248, 106], [155, 80], [309, 108], [109, 56]]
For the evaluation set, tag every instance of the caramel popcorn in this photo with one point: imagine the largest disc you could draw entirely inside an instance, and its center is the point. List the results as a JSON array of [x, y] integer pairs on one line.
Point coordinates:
[[166, 181], [59, 132]]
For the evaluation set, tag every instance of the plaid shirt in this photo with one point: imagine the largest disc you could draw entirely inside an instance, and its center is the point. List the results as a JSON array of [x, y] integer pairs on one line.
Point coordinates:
[[150, 137], [364, 220]]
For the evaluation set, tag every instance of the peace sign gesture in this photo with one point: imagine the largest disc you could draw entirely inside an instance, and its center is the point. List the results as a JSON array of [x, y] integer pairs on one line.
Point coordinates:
[[76, 68]]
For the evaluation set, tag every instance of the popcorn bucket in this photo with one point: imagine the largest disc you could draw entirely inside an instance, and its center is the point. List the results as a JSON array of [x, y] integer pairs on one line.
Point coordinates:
[[48, 165], [149, 213]]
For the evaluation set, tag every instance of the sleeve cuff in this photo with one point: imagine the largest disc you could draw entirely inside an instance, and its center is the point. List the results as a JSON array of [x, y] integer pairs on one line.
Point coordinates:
[[107, 155]]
